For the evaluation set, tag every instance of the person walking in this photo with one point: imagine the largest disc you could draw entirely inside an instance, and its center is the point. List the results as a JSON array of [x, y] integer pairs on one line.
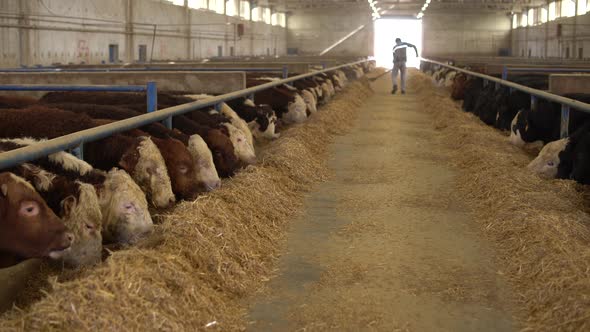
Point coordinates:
[[399, 63]]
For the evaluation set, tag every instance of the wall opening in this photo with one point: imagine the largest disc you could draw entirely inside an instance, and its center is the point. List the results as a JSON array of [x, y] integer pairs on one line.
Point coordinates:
[[113, 53], [142, 53], [387, 30], [580, 53], [219, 51]]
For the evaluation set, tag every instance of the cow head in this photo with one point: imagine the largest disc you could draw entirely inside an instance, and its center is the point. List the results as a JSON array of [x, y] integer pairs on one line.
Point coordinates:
[[181, 167], [82, 215], [126, 217], [518, 124], [146, 165], [549, 161], [205, 171], [326, 92], [222, 149], [310, 101], [296, 110], [264, 125], [242, 148], [28, 228], [581, 161], [79, 210]]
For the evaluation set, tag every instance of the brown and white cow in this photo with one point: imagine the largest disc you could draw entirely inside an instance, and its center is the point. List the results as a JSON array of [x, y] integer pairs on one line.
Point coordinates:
[[205, 172], [261, 119], [123, 206], [140, 157], [219, 143], [28, 227], [179, 163], [16, 102], [307, 95], [289, 105], [77, 205], [238, 130]]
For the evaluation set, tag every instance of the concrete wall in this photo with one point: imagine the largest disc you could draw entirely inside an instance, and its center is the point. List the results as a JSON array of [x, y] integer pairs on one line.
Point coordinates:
[[196, 82], [574, 83], [58, 31], [465, 33], [312, 31], [542, 41]]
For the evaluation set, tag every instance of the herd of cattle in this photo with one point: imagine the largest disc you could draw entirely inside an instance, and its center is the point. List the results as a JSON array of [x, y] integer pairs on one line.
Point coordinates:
[[65, 208], [567, 158]]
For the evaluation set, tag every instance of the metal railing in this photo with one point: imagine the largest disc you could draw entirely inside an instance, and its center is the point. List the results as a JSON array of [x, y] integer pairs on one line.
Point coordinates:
[[507, 69], [284, 70], [35, 151], [150, 88], [566, 103]]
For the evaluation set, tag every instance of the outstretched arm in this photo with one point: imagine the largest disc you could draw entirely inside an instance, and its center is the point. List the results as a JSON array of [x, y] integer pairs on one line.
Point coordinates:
[[414, 47]]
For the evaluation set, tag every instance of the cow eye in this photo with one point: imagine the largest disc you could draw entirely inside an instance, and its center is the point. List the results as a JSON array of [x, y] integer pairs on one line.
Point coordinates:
[[183, 169], [550, 163], [129, 207], [29, 209], [239, 140]]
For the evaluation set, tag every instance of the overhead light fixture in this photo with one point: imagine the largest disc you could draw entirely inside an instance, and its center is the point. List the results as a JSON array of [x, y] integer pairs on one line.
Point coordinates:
[[423, 9], [375, 9]]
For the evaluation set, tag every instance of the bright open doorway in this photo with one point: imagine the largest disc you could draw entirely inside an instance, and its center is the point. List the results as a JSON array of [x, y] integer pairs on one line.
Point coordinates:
[[387, 29]]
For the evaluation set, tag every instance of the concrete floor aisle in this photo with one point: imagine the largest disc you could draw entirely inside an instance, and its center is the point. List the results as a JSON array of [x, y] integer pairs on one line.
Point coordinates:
[[386, 245]]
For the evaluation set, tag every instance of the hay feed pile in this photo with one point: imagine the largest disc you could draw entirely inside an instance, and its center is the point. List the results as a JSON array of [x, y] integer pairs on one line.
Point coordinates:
[[207, 255], [540, 227]]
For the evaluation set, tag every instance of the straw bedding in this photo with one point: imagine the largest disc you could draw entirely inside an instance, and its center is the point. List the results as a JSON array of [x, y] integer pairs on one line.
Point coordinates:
[[207, 255], [540, 227]]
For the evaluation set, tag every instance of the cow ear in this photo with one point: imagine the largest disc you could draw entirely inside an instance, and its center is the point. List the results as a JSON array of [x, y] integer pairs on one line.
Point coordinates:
[[67, 204], [126, 162], [4, 189], [224, 130]]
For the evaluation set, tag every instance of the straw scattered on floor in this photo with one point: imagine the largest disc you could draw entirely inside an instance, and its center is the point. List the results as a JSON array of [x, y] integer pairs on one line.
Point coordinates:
[[207, 255], [540, 227]]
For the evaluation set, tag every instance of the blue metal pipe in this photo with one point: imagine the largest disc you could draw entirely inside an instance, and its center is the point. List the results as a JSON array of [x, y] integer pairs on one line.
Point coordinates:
[[152, 97], [543, 70], [565, 121], [104, 70], [572, 103], [35, 151], [504, 73], [566, 103], [35, 87]]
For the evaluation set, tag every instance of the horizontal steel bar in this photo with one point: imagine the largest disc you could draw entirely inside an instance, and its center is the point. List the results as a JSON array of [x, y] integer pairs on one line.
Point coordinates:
[[35, 151], [36, 87], [539, 93], [106, 70], [547, 70]]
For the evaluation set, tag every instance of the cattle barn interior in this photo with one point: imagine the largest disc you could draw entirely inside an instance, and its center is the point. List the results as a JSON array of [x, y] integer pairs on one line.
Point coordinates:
[[294, 165]]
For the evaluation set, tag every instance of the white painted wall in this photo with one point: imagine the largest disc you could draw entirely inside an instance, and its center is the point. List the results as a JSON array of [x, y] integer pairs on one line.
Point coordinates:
[[465, 33], [312, 31], [78, 31], [543, 42]]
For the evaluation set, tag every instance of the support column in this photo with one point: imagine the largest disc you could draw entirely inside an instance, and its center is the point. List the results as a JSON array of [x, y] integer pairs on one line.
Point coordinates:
[[188, 36], [546, 53], [24, 38], [129, 34], [574, 36], [526, 36], [252, 53]]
